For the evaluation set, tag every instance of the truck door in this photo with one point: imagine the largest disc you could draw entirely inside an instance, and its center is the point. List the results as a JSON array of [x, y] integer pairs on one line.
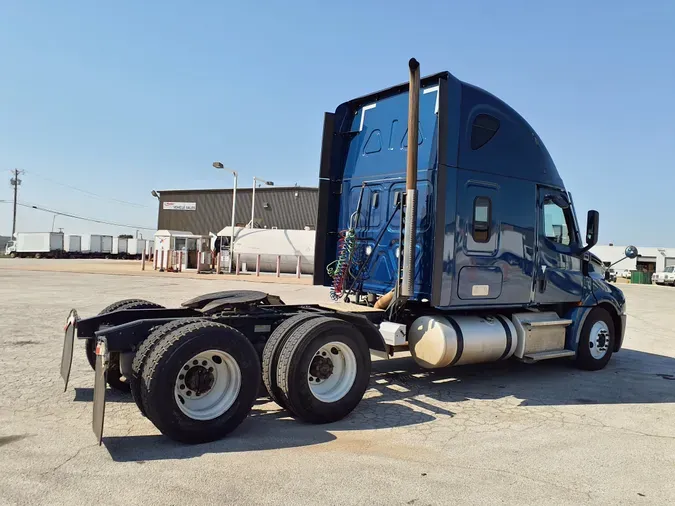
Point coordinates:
[[558, 276]]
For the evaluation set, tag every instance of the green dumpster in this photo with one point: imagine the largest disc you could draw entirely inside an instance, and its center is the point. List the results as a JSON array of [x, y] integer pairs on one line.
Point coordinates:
[[641, 278]]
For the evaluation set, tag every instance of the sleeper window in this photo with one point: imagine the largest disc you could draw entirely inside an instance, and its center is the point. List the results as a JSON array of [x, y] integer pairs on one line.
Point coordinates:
[[483, 129], [482, 216]]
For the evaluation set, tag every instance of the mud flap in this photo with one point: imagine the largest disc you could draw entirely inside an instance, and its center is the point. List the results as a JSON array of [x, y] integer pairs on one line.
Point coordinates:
[[102, 360], [68, 343]]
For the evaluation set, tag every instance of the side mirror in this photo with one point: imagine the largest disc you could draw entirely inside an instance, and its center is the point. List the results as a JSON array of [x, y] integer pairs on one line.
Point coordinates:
[[631, 252], [592, 227]]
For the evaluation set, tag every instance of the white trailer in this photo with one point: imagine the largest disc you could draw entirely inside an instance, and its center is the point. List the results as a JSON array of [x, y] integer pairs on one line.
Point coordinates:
[[73, 244], [106, 244], [36, 244], [135, 247], [95, 245], [122, 246], [91, 244]]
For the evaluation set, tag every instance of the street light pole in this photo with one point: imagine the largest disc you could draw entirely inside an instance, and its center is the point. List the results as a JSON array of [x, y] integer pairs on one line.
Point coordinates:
[[155, 194], [234, 209], [253, 203], [255, 180], [219, 165]]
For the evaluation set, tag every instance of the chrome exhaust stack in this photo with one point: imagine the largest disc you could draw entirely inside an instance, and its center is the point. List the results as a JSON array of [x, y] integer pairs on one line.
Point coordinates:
[[410, 239]]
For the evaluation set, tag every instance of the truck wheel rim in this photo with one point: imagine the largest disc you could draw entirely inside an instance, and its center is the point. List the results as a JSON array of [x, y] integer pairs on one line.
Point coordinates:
[[332, 372], [599, 340], [207, 385]]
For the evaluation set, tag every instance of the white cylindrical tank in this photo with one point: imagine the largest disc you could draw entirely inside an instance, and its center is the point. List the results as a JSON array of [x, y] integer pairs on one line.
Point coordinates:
[[288, 245], [441, 341]]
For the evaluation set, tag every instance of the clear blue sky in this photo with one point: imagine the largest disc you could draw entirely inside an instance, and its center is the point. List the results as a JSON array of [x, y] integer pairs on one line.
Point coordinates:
[[118, 98]]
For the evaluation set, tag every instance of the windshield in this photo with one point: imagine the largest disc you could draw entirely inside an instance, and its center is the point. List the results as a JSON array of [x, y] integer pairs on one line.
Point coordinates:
[[670, 268]]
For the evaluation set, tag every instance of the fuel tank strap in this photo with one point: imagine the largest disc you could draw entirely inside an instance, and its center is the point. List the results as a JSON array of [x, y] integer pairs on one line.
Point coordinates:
[[460, 340], [509, 337]]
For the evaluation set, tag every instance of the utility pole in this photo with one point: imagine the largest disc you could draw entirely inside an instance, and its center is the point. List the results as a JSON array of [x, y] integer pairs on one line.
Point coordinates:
[[15, 182]]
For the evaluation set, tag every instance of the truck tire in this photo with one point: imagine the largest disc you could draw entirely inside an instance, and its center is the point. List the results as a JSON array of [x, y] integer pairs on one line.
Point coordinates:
[[116, 306], [270, 356], [114, 375], [90, 345], [202, 359], [144, 350], [324, 370], [596, 341], [12, 255]]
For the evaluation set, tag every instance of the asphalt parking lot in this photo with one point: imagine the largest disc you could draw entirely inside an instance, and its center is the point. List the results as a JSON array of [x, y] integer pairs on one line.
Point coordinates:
[[499, 434]]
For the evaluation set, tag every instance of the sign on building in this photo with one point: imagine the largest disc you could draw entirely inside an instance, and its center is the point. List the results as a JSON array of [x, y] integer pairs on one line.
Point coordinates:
[[179, 206]]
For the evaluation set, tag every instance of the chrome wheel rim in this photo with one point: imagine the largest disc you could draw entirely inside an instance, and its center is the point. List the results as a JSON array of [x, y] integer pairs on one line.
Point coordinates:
[[599, 340], [207, 385], [332, 372]]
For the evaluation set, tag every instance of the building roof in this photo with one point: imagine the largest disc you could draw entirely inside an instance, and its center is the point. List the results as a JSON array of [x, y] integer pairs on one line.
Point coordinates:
[[241, 189]]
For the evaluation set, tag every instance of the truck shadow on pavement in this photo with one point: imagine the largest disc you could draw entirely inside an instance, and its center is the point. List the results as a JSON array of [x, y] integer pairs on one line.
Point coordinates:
[[403, 394], [87, 395]]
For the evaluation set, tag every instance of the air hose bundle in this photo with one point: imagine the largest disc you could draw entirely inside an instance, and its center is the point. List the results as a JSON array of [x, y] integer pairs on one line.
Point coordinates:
[[339, 268]]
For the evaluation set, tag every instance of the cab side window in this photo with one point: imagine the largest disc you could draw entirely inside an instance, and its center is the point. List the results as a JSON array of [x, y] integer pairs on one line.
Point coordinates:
[[557, 223], [482, 216]]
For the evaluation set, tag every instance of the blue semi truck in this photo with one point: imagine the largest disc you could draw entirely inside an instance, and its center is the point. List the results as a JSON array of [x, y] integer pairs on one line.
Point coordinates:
[[460, 247]]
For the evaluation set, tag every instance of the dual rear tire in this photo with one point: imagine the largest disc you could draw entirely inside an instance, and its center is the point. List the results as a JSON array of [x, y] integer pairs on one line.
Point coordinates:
[[197, 380], [317, 367]]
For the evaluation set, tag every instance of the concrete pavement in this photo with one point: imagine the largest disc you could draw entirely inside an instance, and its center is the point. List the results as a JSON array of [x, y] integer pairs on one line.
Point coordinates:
[[507, 433]]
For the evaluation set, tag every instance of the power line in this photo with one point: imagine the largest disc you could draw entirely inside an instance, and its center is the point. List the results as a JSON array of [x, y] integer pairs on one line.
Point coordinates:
[[87, 192], [74, 216]]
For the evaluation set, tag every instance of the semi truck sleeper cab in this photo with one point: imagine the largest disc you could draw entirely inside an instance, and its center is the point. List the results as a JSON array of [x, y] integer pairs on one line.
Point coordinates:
[[458, 243]]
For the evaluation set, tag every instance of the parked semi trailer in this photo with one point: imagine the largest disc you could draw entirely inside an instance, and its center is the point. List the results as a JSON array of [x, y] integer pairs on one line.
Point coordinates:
[[73, 245], [128, 248], [462, 247]]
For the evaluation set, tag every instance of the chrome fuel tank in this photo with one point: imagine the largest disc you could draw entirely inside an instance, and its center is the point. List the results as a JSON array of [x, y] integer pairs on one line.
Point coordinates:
[[442, 341]]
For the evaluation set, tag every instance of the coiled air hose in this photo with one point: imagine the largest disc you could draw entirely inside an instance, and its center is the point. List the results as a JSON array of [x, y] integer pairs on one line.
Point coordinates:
[[339, 268]]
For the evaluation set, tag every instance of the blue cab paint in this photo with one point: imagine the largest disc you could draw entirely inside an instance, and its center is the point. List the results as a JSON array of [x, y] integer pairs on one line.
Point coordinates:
[[506, 184]]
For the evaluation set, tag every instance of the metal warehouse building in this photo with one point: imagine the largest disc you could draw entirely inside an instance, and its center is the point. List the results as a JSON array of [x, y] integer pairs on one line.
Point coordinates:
[[649, 260], [204, 211]]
